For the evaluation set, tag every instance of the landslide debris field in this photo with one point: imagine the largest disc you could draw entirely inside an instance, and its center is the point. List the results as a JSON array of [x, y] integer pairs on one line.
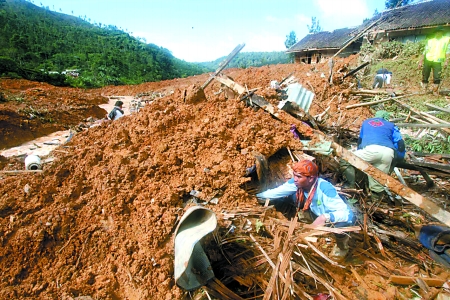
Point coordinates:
[[98, 222]]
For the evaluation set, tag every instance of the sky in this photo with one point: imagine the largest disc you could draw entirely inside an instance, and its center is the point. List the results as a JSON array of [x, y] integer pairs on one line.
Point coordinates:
[[205, 30]]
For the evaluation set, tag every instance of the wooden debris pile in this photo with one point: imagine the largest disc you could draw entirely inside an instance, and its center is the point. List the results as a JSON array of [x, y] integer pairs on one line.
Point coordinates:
[[259, 254]]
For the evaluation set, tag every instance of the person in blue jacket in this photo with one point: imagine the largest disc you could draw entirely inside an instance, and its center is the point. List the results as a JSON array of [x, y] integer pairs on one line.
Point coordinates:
[[379, 141], [316, 199]]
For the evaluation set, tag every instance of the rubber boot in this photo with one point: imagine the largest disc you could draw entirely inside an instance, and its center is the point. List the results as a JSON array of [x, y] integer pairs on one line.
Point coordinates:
[[348, 174], [340, 249]]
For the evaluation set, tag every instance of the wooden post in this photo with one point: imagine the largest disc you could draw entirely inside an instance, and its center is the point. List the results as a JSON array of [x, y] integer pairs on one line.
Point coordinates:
[[394, 185], [224, 64]]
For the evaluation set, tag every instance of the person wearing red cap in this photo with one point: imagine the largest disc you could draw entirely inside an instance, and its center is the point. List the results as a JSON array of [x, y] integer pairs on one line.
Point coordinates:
[[317, 199]]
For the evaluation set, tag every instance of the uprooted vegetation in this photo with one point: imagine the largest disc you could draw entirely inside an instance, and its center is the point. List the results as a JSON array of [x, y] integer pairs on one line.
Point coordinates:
[[99, 221]]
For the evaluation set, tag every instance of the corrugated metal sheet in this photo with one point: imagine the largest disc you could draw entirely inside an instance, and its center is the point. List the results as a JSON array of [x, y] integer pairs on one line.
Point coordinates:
[[298, 94]]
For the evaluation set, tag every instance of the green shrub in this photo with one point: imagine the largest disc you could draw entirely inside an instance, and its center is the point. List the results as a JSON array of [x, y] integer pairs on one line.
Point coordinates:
[[389, 49], [412, 49], [428, 144]]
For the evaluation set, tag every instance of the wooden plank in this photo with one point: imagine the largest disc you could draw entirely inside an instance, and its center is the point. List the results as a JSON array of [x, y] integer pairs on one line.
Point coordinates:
[[357, 69], [394, 185], [372, 92], [374, 102], [415, 125], [367, 103], [264, 104], [438, 166], [224, 64], [414, 118], [438, 108], [439, 155], [423, 114], [231, 84], [406, 280]]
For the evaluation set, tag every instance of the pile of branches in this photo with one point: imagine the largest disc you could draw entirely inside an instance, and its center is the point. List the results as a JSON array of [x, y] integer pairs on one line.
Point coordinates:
[[259, 254]]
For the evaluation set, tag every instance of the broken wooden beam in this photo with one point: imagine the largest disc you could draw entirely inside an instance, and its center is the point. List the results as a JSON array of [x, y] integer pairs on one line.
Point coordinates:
[[438, 107], [415, 125], [372, 92], [439, 155], [357, 36], [223, 64], [264, 104], [408, 116], [367, 103], [239, 89], [394, 185], [356, 69], [374, 102], [406, 280], [438, 166]]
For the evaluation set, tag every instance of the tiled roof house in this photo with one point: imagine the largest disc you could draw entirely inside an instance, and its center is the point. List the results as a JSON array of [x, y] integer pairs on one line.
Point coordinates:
[[410, 23], [407, 23]]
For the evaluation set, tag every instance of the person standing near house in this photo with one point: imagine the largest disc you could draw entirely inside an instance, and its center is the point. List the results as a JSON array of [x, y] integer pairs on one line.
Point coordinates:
[[435, 53]]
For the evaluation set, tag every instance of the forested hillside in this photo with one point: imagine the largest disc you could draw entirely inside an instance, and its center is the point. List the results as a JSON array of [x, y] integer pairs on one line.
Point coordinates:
[[36, 43], [252, 59]]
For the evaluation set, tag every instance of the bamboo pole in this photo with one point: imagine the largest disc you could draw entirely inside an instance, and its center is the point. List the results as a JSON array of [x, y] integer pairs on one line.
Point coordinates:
[[423, 114], [367, 103], [374, 102], [438, 108]]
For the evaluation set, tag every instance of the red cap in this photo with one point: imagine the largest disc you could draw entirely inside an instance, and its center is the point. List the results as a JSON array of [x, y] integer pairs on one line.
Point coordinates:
[[306, 168]]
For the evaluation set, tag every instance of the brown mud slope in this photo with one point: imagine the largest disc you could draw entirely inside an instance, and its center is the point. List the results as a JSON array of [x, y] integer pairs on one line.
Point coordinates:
[[35, 109], [99, 220]]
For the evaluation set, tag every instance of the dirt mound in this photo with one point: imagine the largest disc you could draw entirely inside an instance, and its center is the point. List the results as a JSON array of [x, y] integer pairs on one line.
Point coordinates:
[[99, 220], [36, 109], [106, 211]]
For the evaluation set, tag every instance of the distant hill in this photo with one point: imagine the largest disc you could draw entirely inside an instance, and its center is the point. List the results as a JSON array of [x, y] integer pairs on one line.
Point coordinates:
[[39, 44], [251, 59]]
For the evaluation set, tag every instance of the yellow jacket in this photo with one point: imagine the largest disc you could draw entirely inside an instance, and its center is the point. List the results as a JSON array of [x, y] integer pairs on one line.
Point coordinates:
[[436, 49]]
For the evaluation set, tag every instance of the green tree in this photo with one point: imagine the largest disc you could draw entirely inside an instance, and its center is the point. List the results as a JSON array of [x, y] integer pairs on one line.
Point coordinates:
[[315, 26], [396, 3], [291, 40]]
